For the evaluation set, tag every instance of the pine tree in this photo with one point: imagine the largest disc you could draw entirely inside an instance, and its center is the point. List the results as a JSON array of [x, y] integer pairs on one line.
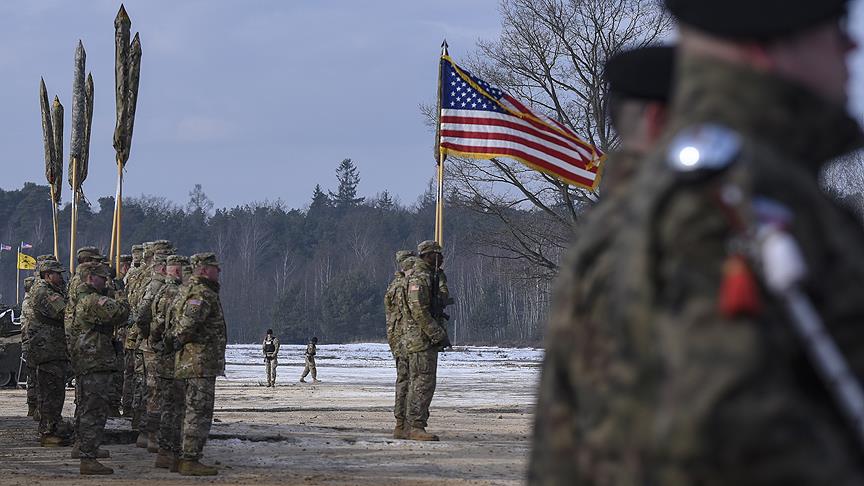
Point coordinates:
[[319, 199], [349, 179]]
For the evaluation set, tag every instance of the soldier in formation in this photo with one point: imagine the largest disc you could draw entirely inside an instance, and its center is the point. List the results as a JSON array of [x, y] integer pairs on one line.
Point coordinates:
[[309, 357], [684, 362], [395, 303], [270, 348], [129, 382]]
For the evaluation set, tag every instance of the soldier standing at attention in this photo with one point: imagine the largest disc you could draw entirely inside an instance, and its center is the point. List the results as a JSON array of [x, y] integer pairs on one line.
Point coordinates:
[[270, 348], [694, 354], [160, 330], [309, 356], [48, 349], [640, 82], [129, 338], [424, 338], [200, 336], [26, 317], [120, 335], [396, 313], [96, 315]]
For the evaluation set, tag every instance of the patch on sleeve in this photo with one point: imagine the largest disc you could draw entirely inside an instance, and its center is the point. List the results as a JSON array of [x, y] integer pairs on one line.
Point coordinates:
[[194, 302], [102, 301], [53, 298], [414, 288]]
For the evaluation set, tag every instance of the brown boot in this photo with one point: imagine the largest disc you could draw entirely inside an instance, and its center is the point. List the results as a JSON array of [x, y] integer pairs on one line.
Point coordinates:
[[175, 464], [164, 460], [31, 410], [152, 445], [141, 441], [50, 440], [192, 467], [419, 433], [399, 431], [100, 453], [92, 466]]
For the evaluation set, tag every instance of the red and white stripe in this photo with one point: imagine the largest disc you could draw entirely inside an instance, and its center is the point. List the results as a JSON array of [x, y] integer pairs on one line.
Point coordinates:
[[532, 139]]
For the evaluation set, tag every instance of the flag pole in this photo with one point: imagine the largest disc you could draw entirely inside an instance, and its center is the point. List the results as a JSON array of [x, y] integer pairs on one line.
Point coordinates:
[[18, 277], [439, 200], [54, 217], [119, 208], [74, 215], [114, 219]]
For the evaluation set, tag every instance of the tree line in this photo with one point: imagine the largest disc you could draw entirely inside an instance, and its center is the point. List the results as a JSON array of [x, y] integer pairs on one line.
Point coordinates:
[[319, 270]]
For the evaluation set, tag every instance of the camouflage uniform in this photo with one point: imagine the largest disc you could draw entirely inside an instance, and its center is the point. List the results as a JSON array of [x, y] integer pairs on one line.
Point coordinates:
[[48, 349], [26, 318], [96, 316], [270, 348], [170, 402], [647, 378], [129, 337], [423, 337], [143, 319], [133, 284], [396, 313], [309, 356], [201, 336]]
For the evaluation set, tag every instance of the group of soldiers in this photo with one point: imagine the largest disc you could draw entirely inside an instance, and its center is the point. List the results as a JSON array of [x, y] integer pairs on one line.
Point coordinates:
[[708, 325], [145, 340], [414, 306]]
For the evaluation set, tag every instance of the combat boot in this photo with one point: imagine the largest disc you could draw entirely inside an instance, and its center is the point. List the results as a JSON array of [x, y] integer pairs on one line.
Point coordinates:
[[302, 380], [94, 467], [175, 463], [51, 440], [399, 431], [31, 410], [141, 441], [152, 445], [164, 460], [191, 467], [419, 433]]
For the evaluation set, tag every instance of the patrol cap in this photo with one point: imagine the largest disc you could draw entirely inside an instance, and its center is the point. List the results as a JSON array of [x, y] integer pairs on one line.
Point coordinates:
[[176, 260], [125, 258], [90, 252], [162, 245], [93, 268], [428, 246], [644, 73], [755, 20], [401, 255], [50, 266], [160, 258], [201, 259], [42, 258], [137, 248]]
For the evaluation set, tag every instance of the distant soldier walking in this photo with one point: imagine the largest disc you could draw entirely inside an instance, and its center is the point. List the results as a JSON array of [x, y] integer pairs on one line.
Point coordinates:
[[95, 316], [270, 348], [397, 313], [311, 349], [200, 336]]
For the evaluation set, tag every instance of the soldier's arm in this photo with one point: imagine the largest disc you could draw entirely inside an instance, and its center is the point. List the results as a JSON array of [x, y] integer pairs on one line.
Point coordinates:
[[419, 305], [276, 346], [158, 309], [50, 305], [105, 312], [195, 311], [144, 311]]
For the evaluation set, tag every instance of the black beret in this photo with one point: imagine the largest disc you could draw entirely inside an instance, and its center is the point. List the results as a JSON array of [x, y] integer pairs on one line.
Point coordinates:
[[755, 19], [644, 73]]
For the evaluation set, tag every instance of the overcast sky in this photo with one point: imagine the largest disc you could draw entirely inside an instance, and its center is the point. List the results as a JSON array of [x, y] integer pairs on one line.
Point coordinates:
[[253, 99]]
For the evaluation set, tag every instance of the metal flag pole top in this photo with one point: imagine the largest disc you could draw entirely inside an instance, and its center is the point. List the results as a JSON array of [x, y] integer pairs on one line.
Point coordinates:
[[441, 156]]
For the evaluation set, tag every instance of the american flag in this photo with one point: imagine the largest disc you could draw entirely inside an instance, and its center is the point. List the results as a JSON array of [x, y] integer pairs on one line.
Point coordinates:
[[25, 246], [481, 121], [5, 247]]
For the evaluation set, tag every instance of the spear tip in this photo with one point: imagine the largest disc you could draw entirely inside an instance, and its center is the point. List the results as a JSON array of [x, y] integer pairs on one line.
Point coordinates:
[[56, 100], [122, 17]]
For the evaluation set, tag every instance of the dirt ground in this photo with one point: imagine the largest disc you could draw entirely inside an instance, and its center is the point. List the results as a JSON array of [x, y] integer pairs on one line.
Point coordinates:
[[332, 433]]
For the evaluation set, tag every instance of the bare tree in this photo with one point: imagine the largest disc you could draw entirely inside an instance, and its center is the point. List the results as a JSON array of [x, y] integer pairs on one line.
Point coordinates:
[[550, 54]]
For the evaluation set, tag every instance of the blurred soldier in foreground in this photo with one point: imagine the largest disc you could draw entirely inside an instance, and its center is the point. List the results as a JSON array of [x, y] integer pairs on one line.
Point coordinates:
[[95, 316], [201, 337], [309, 356], [47, 349], [170, 398], [686, 365], [396, 313], [639, 87], [270, 348], [424, 338], [26, 318]]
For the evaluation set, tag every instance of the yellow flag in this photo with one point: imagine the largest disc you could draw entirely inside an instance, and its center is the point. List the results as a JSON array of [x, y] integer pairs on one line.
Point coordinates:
[[26, 262]]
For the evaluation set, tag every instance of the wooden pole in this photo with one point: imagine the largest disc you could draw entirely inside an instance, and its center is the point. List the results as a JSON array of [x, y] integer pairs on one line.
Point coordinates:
[[114, 220], [74, 219], [439, 204], [55, 217], [18, 277], [119, 218]]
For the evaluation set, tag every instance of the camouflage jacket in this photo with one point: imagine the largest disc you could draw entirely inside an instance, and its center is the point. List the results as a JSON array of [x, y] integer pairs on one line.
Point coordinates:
[[162, 306], [46, 332], [26, 318], [311, 350], [646, 380], [69, 317], [201, 332], [422, 331], [97, 315], [395, 303], [143, 315]]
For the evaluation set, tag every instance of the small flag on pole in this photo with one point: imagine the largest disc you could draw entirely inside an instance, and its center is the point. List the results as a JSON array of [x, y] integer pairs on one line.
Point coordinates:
[[26, 262], [5, 247], [481, 121], [25, 246]]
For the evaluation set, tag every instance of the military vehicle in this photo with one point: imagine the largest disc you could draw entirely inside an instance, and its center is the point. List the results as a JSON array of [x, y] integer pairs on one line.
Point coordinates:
[[10, 346]]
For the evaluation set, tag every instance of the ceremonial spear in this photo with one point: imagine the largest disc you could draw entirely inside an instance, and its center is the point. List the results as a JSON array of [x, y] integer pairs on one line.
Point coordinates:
[[52, 137], [127, 73], [79, 148]]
